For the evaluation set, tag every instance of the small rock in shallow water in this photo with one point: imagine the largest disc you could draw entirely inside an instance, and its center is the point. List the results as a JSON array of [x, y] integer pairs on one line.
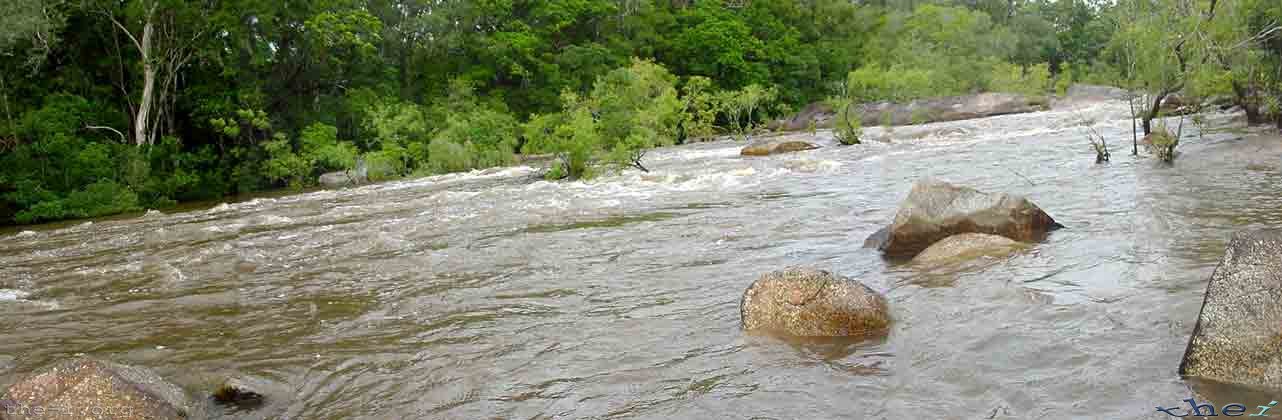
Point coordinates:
[[241, 393]]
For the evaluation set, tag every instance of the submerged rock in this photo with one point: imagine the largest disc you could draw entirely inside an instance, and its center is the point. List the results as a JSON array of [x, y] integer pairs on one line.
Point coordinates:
[[1237, 338], [241, 392], [967, 246], [935, 210], [771, 147], [90, 389], [806, 302]]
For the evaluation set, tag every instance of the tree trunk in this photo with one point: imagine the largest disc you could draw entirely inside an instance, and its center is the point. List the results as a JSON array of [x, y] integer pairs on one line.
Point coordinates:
[[1135, 141], [1152, 113], [8, 115], [141, 136], [1243, 99]]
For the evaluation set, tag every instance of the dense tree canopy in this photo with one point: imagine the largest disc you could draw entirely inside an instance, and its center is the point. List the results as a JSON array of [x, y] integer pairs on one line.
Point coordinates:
[[117, 105]]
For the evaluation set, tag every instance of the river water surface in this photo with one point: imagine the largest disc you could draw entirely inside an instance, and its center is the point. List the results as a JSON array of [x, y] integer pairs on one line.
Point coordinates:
[[496, 295]]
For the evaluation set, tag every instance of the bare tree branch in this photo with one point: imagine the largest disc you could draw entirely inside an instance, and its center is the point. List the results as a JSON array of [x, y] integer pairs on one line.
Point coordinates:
[[123, 139]]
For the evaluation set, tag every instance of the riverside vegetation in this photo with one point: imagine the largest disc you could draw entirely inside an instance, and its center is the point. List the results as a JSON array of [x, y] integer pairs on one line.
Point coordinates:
[[115, 106]]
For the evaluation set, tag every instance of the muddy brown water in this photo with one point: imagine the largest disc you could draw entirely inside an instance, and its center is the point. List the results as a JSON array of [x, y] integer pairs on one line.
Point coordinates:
[[495, 295]]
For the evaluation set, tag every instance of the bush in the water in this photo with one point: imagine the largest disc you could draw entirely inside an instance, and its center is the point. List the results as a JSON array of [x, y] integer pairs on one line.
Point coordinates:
[[848, 128]]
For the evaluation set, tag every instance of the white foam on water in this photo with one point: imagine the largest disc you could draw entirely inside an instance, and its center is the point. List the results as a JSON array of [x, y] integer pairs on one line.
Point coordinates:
[[811, 166], [11, 295], [273, 219], [230, 227], [490, 173], [458, 195], [686, 155], [26, 234]]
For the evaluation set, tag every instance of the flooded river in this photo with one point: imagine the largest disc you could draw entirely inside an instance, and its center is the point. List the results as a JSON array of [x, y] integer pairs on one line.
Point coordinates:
[[497, 295]]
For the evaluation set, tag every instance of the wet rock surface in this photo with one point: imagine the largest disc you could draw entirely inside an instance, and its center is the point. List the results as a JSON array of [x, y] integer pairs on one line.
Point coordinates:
[[1238, 338], [776, 146], [935, 210], [92, 389]]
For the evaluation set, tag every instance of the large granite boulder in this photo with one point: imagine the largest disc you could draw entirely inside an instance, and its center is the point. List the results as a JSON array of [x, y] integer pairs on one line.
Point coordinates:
[[1238, 337], [966, 246], [935, 210], [805, 302], [771, 147], [91, 389]]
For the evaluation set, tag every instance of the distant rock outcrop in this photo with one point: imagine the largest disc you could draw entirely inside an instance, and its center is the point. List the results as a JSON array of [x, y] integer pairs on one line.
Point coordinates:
[[935, 210], [1237, 338], [356, 176], [819, 112], [1086, 92], [91, 389], [805, 302], [920, 111]]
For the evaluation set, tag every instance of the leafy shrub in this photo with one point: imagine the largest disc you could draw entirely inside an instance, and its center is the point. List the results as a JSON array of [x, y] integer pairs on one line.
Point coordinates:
[[97, 199], [701, 107], [896, 84], [571, 136], [319, 150], [629, 111], [1031, 80]]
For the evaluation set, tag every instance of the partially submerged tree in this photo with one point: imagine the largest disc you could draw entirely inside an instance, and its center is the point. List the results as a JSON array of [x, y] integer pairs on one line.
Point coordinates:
[[1156, 42], [1162, 143], [849, 127], [1098, 143]]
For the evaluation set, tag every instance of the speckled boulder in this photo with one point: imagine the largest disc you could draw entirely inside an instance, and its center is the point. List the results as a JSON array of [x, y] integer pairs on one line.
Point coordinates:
[[90, 389], [771, 147], [1238, 337], [806, 302], [935, 210], [966, 246]]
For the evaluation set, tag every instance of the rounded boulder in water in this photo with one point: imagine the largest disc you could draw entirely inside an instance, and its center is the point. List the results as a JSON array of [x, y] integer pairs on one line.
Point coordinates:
[[966, 246], [774, 147], [806, 302]]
